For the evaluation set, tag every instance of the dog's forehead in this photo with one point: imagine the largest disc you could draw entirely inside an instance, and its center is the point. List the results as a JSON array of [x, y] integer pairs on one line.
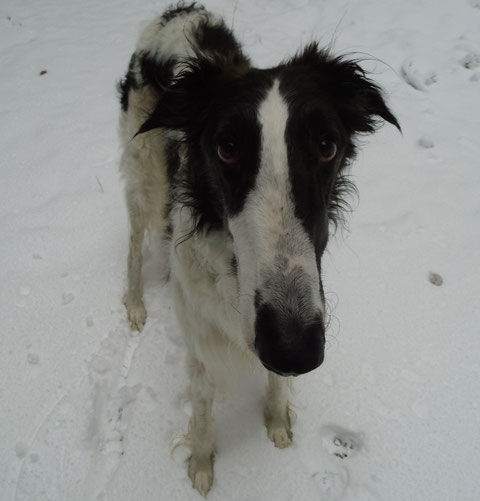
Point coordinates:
[[295, 90], [273, 110], [259, 93]]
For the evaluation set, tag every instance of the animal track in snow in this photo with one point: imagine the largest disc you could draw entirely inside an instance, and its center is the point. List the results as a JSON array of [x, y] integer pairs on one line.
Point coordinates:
[[21, 450], [416, 75], [67, 298], [435, 279], [101, 407], [471, 61], [426, 142], [33, 359], [341, 442], [108, 372]]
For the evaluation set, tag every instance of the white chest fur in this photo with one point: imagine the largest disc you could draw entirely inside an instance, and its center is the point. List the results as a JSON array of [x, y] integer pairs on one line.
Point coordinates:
[[205, 291]]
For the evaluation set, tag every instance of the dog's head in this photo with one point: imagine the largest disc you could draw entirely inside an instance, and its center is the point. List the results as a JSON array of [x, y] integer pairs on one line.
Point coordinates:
[[267, 149]]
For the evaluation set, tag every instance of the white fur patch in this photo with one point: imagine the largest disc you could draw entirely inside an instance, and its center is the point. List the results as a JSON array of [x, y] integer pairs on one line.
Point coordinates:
[[206, 299], [174, 39]]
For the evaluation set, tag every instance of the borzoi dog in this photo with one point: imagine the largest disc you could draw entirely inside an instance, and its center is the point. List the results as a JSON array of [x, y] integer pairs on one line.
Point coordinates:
[[241, 170]]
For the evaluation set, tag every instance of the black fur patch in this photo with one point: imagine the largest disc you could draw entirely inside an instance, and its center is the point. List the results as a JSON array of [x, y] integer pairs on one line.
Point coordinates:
[[328, 98], [234, 265], [218, 39], [213, 98], [152, 72], [181, 8], [156, 73], [127, 83]]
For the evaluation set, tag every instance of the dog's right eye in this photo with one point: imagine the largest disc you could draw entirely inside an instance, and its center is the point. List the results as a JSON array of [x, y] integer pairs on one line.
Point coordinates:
[[228, 152]]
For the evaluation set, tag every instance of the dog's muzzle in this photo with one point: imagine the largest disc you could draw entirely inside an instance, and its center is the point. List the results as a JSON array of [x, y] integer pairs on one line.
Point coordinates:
[[286, 343]]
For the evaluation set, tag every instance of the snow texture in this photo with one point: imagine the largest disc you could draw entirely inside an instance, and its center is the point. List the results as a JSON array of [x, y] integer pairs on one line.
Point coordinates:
[[89, 411]]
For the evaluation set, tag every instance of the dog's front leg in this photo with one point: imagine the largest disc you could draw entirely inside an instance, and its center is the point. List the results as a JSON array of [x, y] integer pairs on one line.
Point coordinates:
[[200, 467], [133, 297], [277, 413]]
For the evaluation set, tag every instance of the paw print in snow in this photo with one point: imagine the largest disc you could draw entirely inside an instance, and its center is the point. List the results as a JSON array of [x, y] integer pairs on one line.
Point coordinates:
[[417, 74], [471, 61], [341, 442], [344, 447]]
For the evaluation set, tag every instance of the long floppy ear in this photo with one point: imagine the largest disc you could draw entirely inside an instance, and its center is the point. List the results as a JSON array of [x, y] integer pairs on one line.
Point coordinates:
[[186, 100], [359, 100]]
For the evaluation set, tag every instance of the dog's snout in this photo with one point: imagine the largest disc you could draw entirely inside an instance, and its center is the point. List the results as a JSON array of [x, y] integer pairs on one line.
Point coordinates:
[[289, 344]]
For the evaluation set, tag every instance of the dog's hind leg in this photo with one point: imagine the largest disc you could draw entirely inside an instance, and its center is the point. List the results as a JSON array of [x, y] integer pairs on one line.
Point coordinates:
[[200, 467], [277, 413], [133, 297]]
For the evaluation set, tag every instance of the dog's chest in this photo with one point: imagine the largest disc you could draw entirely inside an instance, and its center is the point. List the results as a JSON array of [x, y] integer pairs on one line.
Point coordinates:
[[202, 269]]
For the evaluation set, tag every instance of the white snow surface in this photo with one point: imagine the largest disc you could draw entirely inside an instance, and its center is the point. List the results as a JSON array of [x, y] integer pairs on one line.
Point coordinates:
[[90, 411]]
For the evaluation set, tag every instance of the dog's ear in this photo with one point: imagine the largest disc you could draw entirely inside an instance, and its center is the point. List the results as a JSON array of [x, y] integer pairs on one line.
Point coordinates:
[[185, 98], [358, 99], [185, 102]]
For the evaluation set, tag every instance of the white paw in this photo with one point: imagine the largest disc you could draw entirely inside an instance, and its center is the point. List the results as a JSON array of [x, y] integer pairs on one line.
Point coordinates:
[[137, 315], [280, 435], [200, 472]]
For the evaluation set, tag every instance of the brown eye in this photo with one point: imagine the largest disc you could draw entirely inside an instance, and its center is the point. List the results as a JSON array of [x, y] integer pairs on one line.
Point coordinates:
[[328, 150], [228, 153]]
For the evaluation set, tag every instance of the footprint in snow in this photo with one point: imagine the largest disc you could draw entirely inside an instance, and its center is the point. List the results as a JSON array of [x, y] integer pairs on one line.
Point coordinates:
[[33, 359], [341, 442], [418, 76], [471, 61], [435, 279], [67, 298], [426, 142]]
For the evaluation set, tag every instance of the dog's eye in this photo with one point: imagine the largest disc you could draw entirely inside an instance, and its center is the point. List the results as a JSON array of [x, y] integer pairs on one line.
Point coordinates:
[[328, 150], [228, 152]]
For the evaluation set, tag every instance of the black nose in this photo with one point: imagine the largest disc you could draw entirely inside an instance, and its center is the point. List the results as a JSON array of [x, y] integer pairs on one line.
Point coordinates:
[[286, 343]]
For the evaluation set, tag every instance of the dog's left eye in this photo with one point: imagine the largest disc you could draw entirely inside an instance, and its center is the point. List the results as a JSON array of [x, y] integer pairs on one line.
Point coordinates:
[[228, 152], [328, 150]]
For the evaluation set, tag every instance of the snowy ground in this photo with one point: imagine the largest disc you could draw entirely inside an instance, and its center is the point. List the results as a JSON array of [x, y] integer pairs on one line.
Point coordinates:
[[90, 412]]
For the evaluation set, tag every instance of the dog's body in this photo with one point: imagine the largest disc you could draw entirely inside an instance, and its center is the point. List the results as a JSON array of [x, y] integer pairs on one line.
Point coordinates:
[[241, 170]]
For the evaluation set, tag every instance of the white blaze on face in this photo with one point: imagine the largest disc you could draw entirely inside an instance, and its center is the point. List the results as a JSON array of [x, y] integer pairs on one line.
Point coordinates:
[[267, 232]]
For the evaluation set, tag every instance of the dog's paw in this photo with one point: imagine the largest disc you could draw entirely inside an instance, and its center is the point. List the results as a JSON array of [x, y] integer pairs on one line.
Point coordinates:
[[280, 435], [279, 426], [200, 471], [137, 315]]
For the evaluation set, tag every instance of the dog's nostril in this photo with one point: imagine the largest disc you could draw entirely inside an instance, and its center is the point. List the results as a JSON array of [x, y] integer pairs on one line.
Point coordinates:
[[286, 344]]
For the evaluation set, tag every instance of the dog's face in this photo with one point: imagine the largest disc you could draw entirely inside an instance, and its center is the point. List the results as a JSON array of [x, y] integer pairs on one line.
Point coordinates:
[[269, 147]]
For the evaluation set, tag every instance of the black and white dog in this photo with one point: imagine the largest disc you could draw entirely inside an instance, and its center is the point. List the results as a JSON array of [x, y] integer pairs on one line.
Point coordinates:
[[242, 170]]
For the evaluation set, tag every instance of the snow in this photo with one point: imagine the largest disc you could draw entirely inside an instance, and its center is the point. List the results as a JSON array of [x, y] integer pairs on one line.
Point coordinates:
[[90, 411]]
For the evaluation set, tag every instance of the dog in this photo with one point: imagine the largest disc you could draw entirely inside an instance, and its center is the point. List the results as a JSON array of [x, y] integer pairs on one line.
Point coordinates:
[[242, 170]]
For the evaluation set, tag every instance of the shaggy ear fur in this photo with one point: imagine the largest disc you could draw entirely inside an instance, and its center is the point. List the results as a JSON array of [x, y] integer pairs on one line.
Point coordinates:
[[186, 100], [359, 100]]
